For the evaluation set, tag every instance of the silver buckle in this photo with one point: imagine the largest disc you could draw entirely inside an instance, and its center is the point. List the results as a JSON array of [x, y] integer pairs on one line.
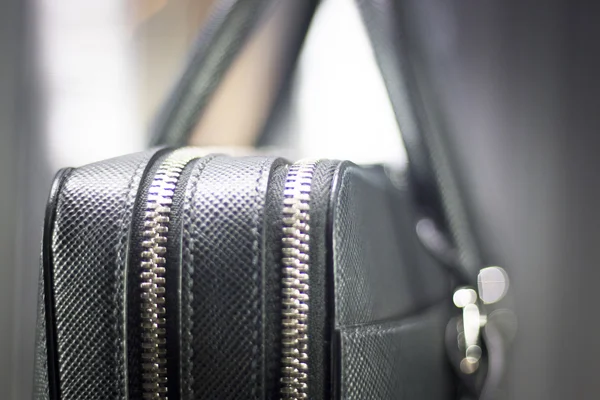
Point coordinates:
[[492, 285]]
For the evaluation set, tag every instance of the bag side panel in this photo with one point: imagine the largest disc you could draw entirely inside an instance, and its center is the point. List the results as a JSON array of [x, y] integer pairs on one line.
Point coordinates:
[[89, 252]]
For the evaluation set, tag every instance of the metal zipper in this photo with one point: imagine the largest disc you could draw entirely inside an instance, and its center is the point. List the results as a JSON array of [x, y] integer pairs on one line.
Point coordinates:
[[153, 268], [295, 280]]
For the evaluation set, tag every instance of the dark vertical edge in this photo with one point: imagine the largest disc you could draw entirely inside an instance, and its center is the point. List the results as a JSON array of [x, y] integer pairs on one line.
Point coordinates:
[[336, 365], [448, 204], [286, 83], [336, 351], [48, 274], [389, 44]]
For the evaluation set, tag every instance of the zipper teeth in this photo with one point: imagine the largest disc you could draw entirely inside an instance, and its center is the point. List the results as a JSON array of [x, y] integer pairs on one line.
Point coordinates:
[[153, 269], [295, 280]]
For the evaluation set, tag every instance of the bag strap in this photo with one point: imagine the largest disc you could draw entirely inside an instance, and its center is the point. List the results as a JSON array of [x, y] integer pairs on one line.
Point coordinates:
[[223, 37], [430, 164], [447, 232], [219, 42]]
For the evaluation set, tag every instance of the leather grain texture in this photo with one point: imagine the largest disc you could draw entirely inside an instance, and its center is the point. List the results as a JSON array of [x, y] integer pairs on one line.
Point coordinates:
[[224, 267], [397, 360], [381, 271], [383, 274], [89, 247], [41, 390], [372, 283]]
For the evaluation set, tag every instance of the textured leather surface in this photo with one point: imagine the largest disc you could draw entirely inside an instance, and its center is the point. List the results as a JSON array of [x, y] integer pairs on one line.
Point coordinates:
[[363, 228], [223, 262], [381, 274], [397, 360], [89, 246], [381, 271], [40, 382]]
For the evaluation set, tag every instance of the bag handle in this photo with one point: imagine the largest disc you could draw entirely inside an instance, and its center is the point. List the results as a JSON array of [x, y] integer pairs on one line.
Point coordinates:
[[222, 39], [218, 44]]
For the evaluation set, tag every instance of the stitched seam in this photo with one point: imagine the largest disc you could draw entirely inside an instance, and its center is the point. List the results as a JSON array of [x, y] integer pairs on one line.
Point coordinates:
[[256, 276], [393, 324], [372, 331], [119, 274], [189, 288], [341, 311], [187, 259]]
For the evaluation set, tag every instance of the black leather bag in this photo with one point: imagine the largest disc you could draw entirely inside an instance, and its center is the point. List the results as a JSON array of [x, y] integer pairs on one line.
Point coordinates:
[[168, 274], [184, 275]]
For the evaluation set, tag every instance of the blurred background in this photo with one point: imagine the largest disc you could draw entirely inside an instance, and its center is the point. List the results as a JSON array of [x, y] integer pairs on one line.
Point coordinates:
[[511, 86]]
